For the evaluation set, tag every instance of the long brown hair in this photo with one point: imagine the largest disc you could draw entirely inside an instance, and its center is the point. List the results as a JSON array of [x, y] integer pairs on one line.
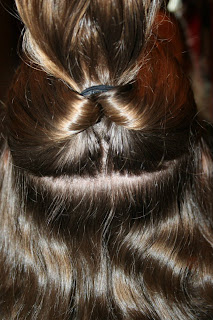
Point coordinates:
[[106, 200]]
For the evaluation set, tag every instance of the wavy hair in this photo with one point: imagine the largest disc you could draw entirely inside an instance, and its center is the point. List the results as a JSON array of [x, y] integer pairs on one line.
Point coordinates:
[[106, 200]]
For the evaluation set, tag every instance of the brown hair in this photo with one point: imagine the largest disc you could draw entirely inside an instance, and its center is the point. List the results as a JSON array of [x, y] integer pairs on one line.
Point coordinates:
[[106, 200]]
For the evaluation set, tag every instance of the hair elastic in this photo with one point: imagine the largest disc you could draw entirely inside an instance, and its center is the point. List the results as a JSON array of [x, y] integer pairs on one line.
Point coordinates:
[[96, 89]]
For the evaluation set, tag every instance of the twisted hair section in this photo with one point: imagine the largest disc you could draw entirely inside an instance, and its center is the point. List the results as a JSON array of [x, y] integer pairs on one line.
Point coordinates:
[[106, 201], [150, 112]]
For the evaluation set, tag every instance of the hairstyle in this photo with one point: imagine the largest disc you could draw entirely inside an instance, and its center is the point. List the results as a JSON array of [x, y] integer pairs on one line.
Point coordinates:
[[106, 200]]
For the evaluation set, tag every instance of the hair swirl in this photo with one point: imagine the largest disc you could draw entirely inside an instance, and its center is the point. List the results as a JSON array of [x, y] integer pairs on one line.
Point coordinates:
[[106, 200]]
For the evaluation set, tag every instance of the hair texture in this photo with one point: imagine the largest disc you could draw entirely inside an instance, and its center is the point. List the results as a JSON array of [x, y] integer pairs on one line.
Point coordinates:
[[106, 201]]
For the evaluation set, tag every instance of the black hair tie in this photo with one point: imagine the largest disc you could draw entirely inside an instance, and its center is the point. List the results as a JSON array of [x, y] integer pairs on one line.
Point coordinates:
[[96, 89]]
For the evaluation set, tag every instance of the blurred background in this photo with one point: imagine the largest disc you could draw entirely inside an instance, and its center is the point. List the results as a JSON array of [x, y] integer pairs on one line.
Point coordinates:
[[193, 17], [10, 30]]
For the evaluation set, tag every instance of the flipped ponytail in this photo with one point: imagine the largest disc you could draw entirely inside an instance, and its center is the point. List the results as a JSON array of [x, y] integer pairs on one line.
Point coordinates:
[[79, 44]]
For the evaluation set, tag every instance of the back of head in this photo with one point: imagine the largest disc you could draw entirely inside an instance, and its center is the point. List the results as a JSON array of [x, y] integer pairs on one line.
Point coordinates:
[[106, 202]]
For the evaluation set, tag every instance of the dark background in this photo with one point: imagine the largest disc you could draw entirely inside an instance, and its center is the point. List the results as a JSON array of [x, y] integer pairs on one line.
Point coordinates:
[[10, 30]]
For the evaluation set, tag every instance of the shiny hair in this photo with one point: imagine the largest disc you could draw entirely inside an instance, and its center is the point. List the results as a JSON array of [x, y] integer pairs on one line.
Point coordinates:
[[106, 200]]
